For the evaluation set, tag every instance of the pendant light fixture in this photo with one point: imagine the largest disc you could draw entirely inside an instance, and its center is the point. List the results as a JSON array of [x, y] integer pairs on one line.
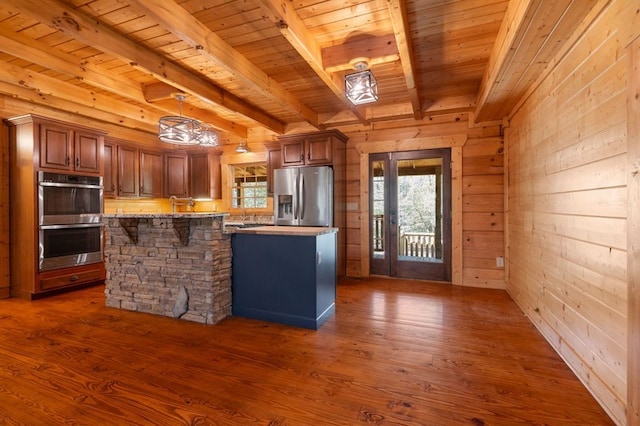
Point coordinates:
[[180, 130], [207, 136], [242, 148], [361, 87]]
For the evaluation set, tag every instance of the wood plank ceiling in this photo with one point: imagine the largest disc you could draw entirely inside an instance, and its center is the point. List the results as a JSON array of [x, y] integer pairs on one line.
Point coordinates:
[[277, 64]]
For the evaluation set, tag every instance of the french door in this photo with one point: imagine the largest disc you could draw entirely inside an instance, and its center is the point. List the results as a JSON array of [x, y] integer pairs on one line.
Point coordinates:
[[410, 214]]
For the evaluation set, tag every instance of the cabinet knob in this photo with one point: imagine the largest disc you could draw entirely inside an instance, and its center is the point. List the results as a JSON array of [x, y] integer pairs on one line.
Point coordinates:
[[77, 162]]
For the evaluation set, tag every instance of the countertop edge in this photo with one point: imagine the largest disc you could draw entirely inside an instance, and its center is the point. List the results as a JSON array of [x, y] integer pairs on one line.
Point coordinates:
[[305, 231], [186, 215]]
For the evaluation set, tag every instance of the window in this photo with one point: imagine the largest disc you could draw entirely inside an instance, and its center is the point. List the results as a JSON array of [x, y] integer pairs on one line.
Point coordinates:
[[249, 186]]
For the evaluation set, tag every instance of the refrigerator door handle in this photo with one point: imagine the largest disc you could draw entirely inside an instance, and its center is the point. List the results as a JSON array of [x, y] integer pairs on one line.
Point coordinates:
[[302, 196], [296, 201]]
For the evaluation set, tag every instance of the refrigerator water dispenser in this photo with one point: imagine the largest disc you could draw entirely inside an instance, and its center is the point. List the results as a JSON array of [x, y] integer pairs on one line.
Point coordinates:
[[285, 207]]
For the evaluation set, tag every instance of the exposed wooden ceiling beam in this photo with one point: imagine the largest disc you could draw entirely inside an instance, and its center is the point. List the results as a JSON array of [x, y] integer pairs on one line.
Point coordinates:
[[49, 86], [162, 96], [283, 15], [94, 33], [531, 34], [398, 12], [376, 50], [519, 13], [33, 51], [23, 47], [180, 22], [160, 92], [38, 89]]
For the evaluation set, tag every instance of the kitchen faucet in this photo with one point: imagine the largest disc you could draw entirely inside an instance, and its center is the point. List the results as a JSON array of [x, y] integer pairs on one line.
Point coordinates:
[[175, 201]]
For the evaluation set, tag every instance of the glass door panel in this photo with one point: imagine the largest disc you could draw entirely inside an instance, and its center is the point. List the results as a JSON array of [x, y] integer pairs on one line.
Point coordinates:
[[379, 226], [410, 214]]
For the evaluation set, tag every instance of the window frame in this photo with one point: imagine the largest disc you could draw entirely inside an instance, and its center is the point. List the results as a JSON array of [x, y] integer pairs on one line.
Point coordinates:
[[260, 185]]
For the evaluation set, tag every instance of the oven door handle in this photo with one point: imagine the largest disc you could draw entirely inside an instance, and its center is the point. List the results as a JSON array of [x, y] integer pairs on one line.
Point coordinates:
[[75, 225], [70, 185]]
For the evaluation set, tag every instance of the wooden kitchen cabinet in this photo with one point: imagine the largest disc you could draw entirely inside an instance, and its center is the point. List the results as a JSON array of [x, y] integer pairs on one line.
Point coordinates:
[[137, 171], [274, 161], [127, 176], [151, 182], [110, 175], [63, 278], [132, 170], [65, 147], [35, 144], [176, 176], [308, 150], [204, 174]]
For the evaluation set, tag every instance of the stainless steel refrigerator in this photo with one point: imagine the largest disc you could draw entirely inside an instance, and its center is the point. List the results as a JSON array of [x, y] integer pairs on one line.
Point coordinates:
[[303, 196]]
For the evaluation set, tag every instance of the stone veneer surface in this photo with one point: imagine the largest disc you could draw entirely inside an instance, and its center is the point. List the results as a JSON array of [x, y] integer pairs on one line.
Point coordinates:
[[177, 266]]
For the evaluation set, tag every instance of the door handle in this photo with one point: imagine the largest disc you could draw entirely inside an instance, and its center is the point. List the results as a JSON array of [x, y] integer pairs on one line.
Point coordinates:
[[302, 196]]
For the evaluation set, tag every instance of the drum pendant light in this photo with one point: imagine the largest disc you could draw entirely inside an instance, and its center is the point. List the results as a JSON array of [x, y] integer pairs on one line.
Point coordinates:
[[177, 129]]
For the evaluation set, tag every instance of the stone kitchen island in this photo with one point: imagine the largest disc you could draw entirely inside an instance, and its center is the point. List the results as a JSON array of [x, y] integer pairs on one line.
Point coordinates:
[[176, 265]]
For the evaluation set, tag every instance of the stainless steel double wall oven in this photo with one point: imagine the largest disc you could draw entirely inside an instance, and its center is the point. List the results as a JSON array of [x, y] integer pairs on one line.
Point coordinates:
[[69, 221]]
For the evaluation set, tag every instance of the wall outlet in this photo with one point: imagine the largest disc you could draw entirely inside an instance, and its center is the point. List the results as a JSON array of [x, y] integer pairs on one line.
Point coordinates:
[[500, 262]]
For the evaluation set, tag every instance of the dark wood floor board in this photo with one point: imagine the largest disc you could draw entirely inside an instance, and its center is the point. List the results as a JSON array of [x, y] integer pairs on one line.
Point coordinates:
[[396, 352]]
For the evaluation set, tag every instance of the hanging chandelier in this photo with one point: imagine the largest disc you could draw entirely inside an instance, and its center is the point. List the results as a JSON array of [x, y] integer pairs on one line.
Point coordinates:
[[207, 136], [361, 87], [180, 130]]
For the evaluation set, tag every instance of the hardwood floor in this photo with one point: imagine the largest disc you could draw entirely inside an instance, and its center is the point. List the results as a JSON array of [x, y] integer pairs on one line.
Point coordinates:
[[396, 352]]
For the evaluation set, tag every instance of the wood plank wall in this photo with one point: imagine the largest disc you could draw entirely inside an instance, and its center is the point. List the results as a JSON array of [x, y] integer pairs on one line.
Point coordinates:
[[483, 210], [478, 232], [633, 234], [4, 210], [567, 202]]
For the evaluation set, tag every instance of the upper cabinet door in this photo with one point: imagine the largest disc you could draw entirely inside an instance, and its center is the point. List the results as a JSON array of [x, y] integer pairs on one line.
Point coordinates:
[[55, 146], [176, 178], [150, 174], [318, 151], [293, 153], [110, 176], [127, 171], [87, 151], [204, 175], [274, 161]]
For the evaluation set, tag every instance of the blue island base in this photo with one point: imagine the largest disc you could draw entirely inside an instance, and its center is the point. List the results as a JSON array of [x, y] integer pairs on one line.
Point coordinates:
[[288, 279], [287, 319]]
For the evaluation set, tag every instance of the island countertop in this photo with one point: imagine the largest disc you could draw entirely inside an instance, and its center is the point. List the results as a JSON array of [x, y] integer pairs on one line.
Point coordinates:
[[304, 231], [185, 215]]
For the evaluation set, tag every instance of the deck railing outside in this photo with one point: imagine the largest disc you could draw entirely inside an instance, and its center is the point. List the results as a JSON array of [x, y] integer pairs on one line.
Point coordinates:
[[378, 232], [417, 244], [410, 244]]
